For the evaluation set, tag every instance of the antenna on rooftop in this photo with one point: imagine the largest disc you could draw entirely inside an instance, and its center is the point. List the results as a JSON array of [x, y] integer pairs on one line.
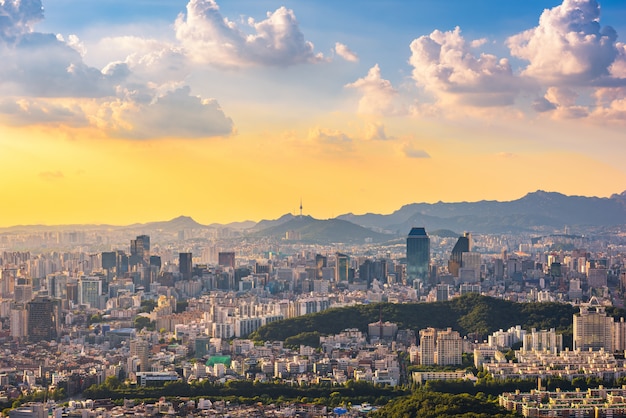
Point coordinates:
[[300, 208]]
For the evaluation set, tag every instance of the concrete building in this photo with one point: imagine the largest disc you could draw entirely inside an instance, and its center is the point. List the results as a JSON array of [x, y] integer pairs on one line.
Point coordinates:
[[593, 329]]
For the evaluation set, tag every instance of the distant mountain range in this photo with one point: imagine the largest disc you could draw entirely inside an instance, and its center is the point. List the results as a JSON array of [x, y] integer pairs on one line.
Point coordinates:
[[536, 212]]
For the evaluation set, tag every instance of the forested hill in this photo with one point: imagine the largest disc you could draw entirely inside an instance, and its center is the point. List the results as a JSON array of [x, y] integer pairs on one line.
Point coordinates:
[[468, 314]]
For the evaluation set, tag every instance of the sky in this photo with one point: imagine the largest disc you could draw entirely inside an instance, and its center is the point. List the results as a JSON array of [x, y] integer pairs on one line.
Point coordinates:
[[116, 112]]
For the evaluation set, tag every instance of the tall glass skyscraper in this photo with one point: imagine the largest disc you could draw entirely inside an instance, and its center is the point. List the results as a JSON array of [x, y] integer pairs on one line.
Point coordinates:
[[417, 255]]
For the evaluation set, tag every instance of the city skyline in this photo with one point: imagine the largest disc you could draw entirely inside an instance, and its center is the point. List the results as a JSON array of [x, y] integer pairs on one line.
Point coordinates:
[[229, 111]]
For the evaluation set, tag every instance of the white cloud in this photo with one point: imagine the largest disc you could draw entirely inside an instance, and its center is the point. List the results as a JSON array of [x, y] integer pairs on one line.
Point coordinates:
[[149, 60], [210, 38], [445, 65], [377, 94], [42, 66], [17, 18], [174, 114], [44, 80], [344, 52], [618, 68], [22, 112], [568, 46]]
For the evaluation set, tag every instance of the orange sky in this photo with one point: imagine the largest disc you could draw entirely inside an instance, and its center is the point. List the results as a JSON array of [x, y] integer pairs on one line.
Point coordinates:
[[238, 111]]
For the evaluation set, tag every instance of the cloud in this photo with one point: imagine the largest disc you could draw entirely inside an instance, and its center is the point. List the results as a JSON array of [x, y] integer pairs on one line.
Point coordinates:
[[17, 18], [410, 151], [51, 175], [208, 37], [377, 94], [542, 104], [174, 114], [445, 65], [40, 65], [375, 131], [611, 105], [344, 52], [618, 68], [328, 136], [22, 112], [568, 46], [148, 60], [44, 80]]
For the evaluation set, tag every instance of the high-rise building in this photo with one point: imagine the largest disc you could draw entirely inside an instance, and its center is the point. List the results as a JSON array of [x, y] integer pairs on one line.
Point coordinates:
[[320, 262], [442, 292], [19, 321], [417, 255], [226, 259], [463, 245], [23, 291], [43, 319], [342, 268], [185, 265], [593, 329], [449, 348], [109, 260], [141, 349], [90, 291], [139, 250], [427, 346]]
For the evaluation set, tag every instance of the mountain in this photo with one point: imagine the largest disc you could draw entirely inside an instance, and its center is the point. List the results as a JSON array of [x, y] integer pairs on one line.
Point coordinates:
[[176, 224], [265, 224], [316, 230], [535, 211]]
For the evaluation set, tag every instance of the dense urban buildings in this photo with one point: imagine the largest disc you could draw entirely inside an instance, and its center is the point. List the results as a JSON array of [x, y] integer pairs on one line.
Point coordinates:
[[163, 309]]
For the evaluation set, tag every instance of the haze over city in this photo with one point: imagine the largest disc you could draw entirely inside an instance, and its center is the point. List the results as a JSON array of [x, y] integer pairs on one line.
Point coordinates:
[[122, 112]]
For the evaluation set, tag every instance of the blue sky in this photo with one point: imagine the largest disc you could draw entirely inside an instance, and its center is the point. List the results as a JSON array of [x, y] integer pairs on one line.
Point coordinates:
[[325, 100]]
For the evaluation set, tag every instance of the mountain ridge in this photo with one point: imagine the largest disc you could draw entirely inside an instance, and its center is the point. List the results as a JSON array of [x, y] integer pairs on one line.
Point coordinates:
[[539, 210]]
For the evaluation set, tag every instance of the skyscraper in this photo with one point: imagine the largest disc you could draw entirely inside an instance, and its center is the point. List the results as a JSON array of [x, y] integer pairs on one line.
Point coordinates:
[[185, 265], [593, 328], [43, 319], [226, 259], [139, 250], [463, 245], [417, 255], [342, 268]]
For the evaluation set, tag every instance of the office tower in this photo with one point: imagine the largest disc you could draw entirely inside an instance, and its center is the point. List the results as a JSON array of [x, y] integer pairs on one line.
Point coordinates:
[[122, 263], [19, 321], [443, 293], [139, 250], [185, 265], [320, 262], [89, 291], [23, 291], [417, 255], [470, 267], [226, 259], [463, 245], [155, 261], [109, 260], [43, 319], [366, 272], [342, 268], [593, 329]]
